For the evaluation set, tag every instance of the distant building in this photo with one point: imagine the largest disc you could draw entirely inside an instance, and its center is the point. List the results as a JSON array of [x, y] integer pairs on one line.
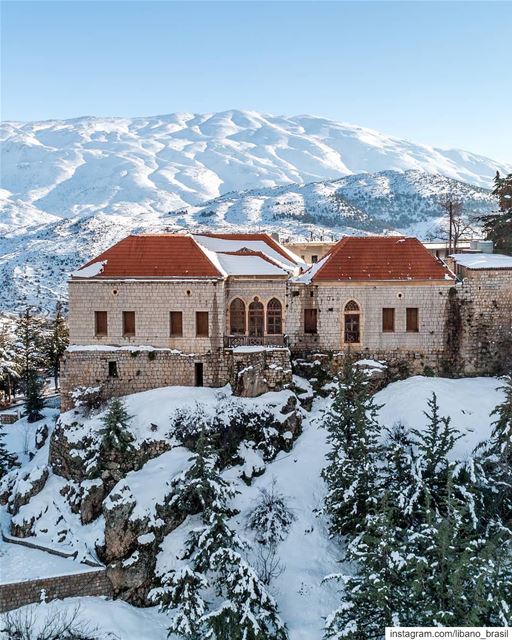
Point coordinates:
[[163, 309]]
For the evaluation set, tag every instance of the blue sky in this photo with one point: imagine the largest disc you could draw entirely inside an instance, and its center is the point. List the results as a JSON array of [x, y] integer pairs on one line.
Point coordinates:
[[434, 72]]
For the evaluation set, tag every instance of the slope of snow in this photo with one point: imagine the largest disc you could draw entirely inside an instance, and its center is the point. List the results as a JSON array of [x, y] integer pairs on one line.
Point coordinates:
[[307, 554], [79, 166]]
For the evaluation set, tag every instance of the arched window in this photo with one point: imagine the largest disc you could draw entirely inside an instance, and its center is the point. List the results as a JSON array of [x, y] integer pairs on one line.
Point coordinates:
[[237, 317], [352, 323], [256, 318], [274, 317]]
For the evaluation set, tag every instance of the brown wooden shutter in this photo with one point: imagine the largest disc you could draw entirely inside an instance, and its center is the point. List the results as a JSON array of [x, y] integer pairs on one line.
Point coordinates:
[[388, 320], [202, 324], [310, 321], [412, 321], [128, 323], [176, 323], [100, 323]]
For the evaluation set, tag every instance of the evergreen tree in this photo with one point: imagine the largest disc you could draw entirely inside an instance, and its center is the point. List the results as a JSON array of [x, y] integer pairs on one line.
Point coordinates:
[[498, 226], [33, 397], [242, 608], [56, 342], [433, 468], [352, 475], [116, 434], [399, 471], [7, 460], [270, 518], [30, 335], [9, 369]]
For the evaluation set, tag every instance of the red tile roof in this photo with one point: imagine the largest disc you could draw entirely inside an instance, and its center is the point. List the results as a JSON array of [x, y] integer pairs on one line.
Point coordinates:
[[380, 258], [262, 237], [155, 255]]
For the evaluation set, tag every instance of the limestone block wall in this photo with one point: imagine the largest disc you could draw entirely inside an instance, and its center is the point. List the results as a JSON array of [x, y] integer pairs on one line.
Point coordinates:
[[482, 310], [144, 369], [18, 594], [152, 302], [330, 299]]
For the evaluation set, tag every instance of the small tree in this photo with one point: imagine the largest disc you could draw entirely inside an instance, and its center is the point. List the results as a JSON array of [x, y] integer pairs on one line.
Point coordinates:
[[56, 342], [352, 475], [33, 397], [116, 434], [498, 226], [7, 460], [271, 518], [30, 336]]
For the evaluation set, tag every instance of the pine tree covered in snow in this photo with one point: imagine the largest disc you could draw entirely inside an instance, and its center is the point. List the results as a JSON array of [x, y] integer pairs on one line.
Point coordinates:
[[201, 487], [57, 341], [33, 397], [7, 460], [30, 335], [352, 475], [399, 470], [271, 518], [217, 595], [9, 367], [116, 434]]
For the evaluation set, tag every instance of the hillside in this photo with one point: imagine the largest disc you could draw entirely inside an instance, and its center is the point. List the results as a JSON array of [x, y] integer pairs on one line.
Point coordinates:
[[307, 553], [35, 261], [128, 166]]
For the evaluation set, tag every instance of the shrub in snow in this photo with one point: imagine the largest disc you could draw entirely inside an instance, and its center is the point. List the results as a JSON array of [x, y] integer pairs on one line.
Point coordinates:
[[47, 623], [116, 435], [87, 399], [352, 475], [270, 518], [228, 427]]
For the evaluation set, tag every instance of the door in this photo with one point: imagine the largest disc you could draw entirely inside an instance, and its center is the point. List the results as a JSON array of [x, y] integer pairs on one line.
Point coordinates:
[[198, 374]]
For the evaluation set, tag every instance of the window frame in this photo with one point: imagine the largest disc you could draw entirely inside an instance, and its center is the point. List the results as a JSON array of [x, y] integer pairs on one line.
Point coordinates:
[[128, 334], [97, 333], [173, 333], [240, 314], [392, 312], [274, 317], [416, 323], [204, 315], [311, 321]]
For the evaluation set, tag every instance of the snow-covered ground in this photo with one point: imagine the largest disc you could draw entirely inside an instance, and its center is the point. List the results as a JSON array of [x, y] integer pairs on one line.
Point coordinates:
[[307, 553]]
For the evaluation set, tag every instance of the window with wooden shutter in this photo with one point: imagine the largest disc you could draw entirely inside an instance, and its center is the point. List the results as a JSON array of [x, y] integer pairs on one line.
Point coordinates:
[[310, 320], [388, 320], [100, 323], [202, 324], [412, 320], [128, 324], [176, 324]]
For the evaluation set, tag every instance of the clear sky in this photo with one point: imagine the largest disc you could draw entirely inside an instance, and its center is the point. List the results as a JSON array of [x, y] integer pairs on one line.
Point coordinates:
[[434, 72]]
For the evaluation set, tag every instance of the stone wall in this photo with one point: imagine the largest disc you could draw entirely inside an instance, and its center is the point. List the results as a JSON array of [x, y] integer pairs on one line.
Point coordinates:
[[427, 345], [18, 594], [482, 310], [144, 369], [152, 303]]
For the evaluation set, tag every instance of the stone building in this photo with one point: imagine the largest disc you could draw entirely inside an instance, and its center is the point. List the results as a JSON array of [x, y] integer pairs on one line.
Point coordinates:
[[164, 309]]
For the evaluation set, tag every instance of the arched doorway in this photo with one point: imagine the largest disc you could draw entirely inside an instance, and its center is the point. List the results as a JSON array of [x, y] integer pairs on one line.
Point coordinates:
[[351, 323], [237, 317], [256, 318], [274, 317]]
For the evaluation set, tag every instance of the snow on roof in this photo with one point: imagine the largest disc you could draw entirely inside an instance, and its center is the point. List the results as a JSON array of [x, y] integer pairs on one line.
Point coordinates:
[[91, 270], [239, 243], [248, 265], [483, 260], [307, 276]]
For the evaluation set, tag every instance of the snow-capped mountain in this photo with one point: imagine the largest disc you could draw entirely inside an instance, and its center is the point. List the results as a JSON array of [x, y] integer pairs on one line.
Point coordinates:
[[131, 166], [34, 265]]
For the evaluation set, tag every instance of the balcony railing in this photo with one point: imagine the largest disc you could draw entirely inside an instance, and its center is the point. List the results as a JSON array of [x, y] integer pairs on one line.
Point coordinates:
[[231, 342]]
